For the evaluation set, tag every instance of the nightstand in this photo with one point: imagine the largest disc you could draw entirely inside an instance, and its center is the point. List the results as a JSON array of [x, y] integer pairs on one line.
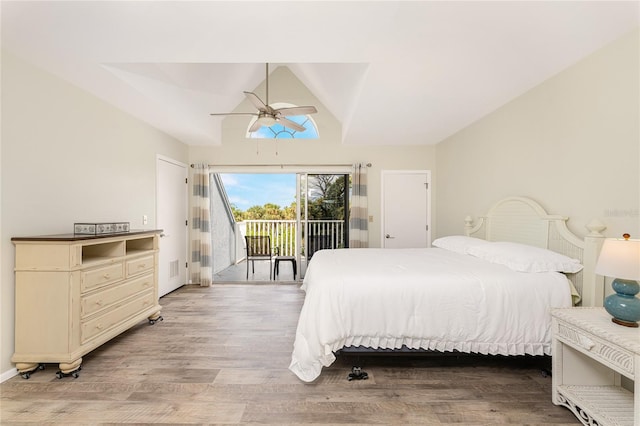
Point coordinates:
[[596, 367]]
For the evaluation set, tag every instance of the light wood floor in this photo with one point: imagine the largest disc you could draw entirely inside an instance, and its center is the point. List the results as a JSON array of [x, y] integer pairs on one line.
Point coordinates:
[[221, 356]]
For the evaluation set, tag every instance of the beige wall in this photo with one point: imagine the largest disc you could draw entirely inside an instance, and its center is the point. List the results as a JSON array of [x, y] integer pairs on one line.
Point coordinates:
[[67, 157], [328, 149], [572, 143]]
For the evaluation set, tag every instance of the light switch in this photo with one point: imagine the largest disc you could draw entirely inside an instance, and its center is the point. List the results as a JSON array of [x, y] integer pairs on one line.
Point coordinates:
[[370, 218]]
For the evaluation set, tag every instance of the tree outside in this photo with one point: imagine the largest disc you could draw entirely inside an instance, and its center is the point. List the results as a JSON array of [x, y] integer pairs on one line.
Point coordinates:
[[326, 201]]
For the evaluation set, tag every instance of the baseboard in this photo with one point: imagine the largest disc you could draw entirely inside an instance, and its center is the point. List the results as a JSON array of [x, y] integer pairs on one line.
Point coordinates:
[[8, 374]]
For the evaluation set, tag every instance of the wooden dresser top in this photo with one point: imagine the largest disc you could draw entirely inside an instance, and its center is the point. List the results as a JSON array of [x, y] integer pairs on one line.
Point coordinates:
[[83, 237]]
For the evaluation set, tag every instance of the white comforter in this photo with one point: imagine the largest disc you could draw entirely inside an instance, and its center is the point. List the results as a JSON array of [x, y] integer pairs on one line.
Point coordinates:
[[422, 298]]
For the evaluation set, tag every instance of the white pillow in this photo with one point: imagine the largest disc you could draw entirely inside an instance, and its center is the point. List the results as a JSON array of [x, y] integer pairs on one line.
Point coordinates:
[[525, 258], [458, 243]]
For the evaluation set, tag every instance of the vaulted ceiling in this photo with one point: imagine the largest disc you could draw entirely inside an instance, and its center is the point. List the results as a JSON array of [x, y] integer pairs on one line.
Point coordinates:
[[391, 72]]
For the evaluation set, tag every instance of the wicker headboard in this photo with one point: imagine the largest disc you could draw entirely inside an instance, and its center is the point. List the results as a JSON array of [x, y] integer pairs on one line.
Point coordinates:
[[522, 220]]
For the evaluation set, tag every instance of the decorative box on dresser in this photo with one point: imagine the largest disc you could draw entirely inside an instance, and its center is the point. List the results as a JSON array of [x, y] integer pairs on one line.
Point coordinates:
[[74, 292], [592, 356]]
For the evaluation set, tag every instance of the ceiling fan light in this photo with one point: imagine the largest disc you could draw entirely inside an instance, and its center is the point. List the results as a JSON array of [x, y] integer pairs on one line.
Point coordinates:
[[267, 120]]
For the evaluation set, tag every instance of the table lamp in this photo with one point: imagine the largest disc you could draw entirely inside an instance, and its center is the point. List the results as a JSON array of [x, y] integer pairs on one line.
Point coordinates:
[[620, 259]]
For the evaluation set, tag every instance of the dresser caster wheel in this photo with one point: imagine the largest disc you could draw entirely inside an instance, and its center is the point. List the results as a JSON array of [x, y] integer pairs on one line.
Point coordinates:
[[75, 373], [153, 321], [26, 374]]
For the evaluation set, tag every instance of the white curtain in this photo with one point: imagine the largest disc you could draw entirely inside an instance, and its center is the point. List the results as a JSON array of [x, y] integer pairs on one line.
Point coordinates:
[[359, 213], [201, 270]]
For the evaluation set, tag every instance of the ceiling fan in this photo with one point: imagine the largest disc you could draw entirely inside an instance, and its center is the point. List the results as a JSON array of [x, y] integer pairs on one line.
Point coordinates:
[[268, 116]]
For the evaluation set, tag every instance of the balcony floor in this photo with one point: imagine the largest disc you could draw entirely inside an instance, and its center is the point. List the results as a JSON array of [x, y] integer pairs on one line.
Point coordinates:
[[238, 273]]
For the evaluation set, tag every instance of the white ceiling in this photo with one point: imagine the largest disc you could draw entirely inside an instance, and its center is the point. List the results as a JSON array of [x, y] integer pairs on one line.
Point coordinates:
[[391, 72]]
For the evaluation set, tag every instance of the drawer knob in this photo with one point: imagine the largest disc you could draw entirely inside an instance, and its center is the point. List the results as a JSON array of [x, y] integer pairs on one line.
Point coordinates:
[[142, 265], [106, 276], [586, 343], [99, 326], [99, 302]]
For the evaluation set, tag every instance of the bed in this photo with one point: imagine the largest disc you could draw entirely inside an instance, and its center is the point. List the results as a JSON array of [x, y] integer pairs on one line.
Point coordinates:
[[488, 291]]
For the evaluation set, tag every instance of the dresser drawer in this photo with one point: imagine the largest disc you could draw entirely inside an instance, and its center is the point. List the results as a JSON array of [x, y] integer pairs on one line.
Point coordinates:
[[93, 328], [602, 351], [113, 294], [98, 277], [140, 265]]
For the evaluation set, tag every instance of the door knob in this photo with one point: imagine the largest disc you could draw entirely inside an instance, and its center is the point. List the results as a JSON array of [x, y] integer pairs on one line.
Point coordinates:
[[389, 237]]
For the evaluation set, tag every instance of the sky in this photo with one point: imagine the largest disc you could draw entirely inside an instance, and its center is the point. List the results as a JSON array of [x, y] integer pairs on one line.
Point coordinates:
[[246, 190]]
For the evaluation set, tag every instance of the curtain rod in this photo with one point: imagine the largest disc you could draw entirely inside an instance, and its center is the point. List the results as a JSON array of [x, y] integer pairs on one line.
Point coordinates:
[[283, 165]]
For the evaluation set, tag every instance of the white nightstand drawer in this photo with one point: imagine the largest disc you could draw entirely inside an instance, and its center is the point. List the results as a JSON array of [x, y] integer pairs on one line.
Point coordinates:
[[615, 357]]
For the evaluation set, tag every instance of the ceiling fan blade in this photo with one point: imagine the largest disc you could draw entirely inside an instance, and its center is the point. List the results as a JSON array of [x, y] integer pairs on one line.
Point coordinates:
[[255, 126], [298, 110], [233, 113], [256, 101], [290, 124]]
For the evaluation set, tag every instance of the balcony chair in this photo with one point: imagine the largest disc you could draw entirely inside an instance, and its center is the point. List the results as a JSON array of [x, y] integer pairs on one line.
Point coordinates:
[[258, 248]]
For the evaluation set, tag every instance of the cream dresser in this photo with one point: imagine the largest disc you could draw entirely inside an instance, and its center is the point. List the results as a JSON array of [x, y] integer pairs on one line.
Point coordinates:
[[596, 366], [76, 292]]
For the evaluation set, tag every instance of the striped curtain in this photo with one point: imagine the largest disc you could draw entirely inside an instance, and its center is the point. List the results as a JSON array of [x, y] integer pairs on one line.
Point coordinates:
[[358, 217], [201, 257]]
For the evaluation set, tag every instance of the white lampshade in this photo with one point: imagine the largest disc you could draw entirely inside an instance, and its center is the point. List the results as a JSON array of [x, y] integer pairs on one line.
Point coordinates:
[[620, 258]]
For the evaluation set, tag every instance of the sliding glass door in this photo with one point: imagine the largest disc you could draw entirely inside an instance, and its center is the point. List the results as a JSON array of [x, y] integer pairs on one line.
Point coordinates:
[[302, 212], [322, 216]]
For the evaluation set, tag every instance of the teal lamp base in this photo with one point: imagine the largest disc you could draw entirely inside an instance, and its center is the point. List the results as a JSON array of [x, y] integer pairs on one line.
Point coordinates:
[[624, 306]]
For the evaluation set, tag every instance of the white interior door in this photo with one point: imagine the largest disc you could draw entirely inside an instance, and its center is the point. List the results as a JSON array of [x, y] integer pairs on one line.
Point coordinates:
[[406, 208], [171, 216]]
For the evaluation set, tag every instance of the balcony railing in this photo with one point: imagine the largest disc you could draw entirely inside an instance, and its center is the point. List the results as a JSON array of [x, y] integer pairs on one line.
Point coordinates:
[[322, 234]]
